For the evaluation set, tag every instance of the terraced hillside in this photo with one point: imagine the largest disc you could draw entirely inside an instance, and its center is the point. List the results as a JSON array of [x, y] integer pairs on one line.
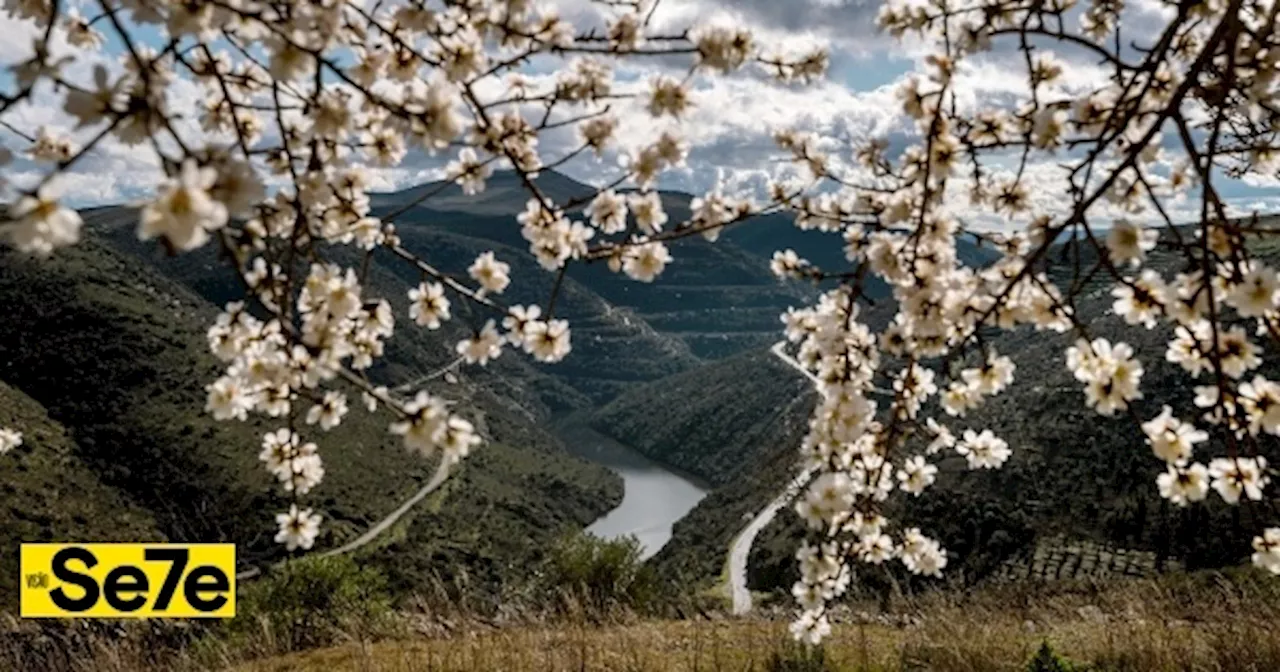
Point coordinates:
[[1058, 558], [1074, 475], [718, 299]]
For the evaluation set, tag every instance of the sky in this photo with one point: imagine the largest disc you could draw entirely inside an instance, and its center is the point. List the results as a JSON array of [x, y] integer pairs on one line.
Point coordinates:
[[730, 128]]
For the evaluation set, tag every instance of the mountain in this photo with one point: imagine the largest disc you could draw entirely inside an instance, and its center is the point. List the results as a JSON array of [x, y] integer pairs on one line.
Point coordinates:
[[107, 339], [110, 361], [718, 298], [51, 494], [1074, 475], [692, 421], [124, 321], [714, 299]]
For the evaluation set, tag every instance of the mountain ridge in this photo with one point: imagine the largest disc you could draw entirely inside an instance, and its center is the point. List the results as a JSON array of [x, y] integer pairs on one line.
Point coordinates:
[[116, 352], [1073, 474]]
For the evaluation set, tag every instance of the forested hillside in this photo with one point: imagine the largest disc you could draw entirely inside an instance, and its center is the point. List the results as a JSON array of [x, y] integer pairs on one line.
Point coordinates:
[[1073, 474], [711, 422], [50, 493], [115, 353], [107, 338]]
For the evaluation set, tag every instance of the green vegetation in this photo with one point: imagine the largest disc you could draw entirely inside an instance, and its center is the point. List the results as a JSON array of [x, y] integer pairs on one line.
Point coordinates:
[[597, 577], [1048, 660], [305, 604], [49, 494], [115, 353]]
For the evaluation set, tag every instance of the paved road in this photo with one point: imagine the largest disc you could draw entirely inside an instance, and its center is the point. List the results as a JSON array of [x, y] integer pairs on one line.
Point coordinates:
[[741, 547], [742, 544], [443, 469]]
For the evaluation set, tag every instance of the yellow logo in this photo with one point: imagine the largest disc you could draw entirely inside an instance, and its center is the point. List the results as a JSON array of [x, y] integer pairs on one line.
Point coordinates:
[[128, 580]]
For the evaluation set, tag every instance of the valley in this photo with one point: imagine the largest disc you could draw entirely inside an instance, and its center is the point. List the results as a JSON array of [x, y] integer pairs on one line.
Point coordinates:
[[654, 496], [137, 343], [640, 335], [672, 420]]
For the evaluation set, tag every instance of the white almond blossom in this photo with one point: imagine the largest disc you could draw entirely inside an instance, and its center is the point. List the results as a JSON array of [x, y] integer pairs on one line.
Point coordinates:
[[298, 528], [1266, 550], [647, 209], [1260, 399], [425, 422], [1241, 476], [547, 341], [428, 306], [916, 475], [518, 321], [1170, 438], [9, 439], [645, 261], [1111, 374], [50, 146], [1129, 242], [184, 213], [486, 345], [273, 167], [608, 212], [667, 96], [1256, 293], [329, 412], [942, 437], [1184, 484], [983, 450], [39, 224]]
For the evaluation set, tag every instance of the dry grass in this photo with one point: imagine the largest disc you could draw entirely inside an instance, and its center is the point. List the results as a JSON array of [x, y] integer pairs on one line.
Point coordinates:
[[1207, 622], [757, 645], [655, 645]]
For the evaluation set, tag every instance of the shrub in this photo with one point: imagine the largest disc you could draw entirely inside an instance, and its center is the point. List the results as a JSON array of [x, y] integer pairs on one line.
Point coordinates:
[[600, 575], [309, 603], [793, 656], [1048, 660]]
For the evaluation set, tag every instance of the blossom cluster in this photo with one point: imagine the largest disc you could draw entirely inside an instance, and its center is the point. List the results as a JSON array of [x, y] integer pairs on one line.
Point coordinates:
[[1161, 124], [301, 102], [9, 439], [302, 99]]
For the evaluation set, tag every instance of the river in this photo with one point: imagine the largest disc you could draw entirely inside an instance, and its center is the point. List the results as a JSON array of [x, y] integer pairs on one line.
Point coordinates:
[[654, 497]]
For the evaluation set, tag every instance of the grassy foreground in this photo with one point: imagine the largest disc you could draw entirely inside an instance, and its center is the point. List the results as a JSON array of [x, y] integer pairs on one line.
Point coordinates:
[[330, 616], [1208, 622], [762, 645]]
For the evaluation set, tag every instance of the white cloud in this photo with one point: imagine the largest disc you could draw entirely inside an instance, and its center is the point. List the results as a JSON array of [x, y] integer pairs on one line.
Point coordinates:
[[730, 126]]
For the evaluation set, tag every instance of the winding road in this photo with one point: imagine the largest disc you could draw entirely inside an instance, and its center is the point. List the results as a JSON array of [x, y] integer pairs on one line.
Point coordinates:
[[443, 469], [741, 547]]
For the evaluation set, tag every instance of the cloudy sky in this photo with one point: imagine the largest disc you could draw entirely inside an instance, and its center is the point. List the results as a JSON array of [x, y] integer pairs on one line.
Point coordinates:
[[730, 128]]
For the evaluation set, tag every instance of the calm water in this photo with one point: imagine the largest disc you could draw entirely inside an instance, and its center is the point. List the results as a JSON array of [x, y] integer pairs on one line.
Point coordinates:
[[654, 499]]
